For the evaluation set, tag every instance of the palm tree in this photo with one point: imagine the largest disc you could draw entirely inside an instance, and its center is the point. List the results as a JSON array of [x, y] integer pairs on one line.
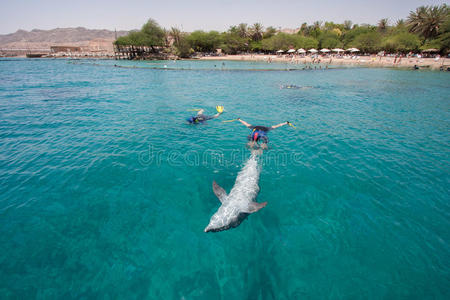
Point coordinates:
[[233, 30], [175, 33], [383, 24], [400, 23], [257, 31], [317, 24], [270, 31], [303, 28], [347, 24], [242, 30], [427, 20]]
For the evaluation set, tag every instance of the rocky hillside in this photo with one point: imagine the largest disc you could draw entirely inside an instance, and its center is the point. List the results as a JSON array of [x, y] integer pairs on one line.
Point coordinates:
[[37, 38]]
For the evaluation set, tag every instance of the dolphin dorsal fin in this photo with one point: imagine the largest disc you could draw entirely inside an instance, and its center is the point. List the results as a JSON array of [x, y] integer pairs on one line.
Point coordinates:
[[254, 207], [219, 192]]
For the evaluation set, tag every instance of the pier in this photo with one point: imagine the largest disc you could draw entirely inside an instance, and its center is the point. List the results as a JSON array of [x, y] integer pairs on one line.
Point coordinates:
[[138, 52]]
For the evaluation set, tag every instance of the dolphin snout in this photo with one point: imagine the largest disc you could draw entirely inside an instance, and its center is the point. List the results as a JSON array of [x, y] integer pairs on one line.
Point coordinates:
[[207, 229]]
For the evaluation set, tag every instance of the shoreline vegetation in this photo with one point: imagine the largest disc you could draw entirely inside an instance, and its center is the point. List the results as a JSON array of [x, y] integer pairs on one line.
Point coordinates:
[[422, 40]]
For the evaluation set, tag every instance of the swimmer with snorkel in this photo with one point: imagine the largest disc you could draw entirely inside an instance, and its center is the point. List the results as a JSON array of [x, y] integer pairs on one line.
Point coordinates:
[[200, 117], [258, 135]]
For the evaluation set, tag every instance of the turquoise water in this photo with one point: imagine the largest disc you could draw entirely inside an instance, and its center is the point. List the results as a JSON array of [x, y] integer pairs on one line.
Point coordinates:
[[105, 191]]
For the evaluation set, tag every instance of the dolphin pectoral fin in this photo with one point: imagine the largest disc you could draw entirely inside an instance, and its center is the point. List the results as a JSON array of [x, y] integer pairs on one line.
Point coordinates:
[[219, 191], [254, 207]]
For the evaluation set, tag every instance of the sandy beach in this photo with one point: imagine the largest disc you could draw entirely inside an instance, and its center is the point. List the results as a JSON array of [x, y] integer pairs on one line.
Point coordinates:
[[358, 60]]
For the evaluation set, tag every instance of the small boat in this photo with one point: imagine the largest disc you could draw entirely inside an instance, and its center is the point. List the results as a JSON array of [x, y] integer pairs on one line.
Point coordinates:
[[35, 55]]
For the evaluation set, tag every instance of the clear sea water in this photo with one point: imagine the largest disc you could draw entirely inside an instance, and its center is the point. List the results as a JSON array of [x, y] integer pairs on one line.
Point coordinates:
[[105, 191]]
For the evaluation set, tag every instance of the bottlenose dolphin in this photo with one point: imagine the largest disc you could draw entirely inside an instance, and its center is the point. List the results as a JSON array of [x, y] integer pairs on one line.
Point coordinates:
[[239, 203]]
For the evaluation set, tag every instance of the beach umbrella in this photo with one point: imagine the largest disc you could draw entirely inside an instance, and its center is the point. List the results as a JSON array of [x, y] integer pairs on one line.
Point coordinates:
[[280, 51], [324, 50], [431, 50], [337, 50], [301, 50], [291, 50], [312, 50], [354, 50]]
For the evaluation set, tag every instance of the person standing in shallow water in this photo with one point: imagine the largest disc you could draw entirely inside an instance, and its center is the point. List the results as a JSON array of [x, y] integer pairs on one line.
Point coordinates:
[[259, 134], [200, 117]]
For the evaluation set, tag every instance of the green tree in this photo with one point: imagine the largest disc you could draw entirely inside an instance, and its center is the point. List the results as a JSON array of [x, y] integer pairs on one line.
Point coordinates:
[[155, 35], [150, 35], [279, 41], [330, 39], [383, 25], [176, 34], [256, 46], [442, 41], [232, 43], [348, 37], [181, 43], [123, 41], [347, 24], [400, 23], [427, 20], [368, 42], [256, 32], [202, 41], [306, 42], [270, 31], [330, 43], [402, 42], [303, 29], [242, 30], [315, 30]]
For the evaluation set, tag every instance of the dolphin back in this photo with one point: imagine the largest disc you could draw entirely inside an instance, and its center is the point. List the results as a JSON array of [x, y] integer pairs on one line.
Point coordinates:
[[246, 184], [239, 203]]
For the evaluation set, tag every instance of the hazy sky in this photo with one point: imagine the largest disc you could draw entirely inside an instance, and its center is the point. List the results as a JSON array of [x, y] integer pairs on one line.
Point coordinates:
[[190, 15]]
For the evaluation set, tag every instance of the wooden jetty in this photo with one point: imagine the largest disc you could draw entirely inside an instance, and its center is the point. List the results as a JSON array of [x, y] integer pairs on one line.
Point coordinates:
[[138, 52]]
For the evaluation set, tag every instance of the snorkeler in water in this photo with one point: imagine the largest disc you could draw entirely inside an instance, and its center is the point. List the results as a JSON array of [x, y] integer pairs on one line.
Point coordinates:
[[294, 87], [200, 117], [259, 134]]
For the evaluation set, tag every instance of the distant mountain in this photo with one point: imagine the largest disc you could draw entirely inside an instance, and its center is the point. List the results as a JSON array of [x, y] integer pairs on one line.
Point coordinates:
[[44, 38]]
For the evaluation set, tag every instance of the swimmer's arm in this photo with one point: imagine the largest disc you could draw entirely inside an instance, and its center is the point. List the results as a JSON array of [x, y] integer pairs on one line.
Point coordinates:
[[216, 115], [245, 123], [279, 125]]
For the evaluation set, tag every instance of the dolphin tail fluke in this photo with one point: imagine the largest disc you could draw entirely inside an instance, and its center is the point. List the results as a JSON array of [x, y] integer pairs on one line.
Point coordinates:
[[219, 192], [255, 206]]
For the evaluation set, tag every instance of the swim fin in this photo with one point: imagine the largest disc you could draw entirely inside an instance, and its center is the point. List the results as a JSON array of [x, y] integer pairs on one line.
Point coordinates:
[[219, 109], [292, 125]]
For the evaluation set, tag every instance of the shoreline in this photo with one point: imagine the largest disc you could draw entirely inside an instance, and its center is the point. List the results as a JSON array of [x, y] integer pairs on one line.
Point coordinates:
[[374, 61], [363, 61]]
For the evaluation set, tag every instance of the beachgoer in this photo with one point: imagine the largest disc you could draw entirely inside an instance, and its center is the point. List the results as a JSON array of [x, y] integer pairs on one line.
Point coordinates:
[[200, 117], [259, 134]]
